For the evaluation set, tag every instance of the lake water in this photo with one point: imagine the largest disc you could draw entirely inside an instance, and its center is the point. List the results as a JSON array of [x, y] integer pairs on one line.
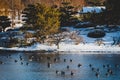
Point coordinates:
[[57, 66]]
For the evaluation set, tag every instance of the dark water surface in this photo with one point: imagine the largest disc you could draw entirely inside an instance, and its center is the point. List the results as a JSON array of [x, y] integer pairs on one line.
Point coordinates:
[[39, 66]]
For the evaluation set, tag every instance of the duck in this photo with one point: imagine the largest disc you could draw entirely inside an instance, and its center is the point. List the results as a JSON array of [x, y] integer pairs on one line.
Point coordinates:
[[62, 73], [93, 69], [21, 58], [68, 67], [108, 65], [16, 61], [55, 60], [71, 73], [64, 60], [27, 63], [1, 62], [57, 72], [116, 65], [97, 74], [107, 74], [110, 71], [49, 65], [71, 60], [104, 66], [98, 69], [90, 65], [79, 65], [9, 55], [21, 63]]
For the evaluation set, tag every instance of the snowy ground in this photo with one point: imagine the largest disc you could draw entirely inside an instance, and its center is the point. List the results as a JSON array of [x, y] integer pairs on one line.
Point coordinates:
[[96, 9], [89, 45], [67, 47]]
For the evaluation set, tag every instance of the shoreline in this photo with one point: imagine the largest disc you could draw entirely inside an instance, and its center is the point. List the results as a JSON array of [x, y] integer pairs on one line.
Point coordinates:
[[62, 52]]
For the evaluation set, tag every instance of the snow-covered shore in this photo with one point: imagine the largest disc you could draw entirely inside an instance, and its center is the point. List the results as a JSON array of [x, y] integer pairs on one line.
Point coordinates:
[[66, 48]]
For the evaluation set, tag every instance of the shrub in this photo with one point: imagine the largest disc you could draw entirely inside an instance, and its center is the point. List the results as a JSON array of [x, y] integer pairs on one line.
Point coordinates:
[[96, 34]]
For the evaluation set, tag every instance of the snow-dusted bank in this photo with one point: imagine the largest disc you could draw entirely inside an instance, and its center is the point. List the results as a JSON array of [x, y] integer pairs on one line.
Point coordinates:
[[66, 48]]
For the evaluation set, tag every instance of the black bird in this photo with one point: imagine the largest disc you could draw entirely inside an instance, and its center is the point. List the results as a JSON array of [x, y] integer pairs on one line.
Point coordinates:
[[98, 69], [21, 63], [108, 65], [62, 73], [107, 74], [93, 69], [110, 71], [116, 65], [16, 61], [1, 62], [71, 60], [55, 60], [104, 66], [21, 58], [49, 65], [71, 73], [90, 65], [79, 65], [27, 63], [68, 67], [64, 60], [9, 55], [97, 74], [57, 72]]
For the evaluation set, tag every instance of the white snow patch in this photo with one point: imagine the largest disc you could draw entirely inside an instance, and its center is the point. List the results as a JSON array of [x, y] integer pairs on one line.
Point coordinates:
[[96, 9], [66, 47]]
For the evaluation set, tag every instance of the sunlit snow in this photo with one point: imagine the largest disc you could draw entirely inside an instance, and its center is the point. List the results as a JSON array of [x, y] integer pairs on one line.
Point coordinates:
[[89, 45]]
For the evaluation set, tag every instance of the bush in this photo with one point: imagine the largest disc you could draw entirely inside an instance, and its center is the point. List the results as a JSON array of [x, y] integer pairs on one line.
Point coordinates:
[[4, 22], [96, 34]]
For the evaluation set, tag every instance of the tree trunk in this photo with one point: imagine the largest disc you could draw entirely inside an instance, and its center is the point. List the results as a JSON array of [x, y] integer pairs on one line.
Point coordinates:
[[58, 45], [18, 14]]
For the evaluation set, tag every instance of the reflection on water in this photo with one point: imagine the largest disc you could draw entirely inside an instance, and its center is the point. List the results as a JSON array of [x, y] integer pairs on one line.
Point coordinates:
[[57, 66]]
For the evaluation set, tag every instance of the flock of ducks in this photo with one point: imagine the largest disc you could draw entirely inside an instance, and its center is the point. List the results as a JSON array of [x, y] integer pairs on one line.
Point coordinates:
[[96, 71], [107, 68], [63, 73], [15, 60]]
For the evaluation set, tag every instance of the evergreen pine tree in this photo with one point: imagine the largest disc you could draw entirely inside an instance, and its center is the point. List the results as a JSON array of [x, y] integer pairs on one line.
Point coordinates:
[[48, 21], [112, 11], [66, 13], [45, 20], [30, 15], [4, 22]]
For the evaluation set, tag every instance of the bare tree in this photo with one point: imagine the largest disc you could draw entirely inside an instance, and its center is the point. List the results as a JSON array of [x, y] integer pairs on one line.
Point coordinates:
[[62, 36], [116, 41], [76, 37], [99, 42], [57, 38]]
